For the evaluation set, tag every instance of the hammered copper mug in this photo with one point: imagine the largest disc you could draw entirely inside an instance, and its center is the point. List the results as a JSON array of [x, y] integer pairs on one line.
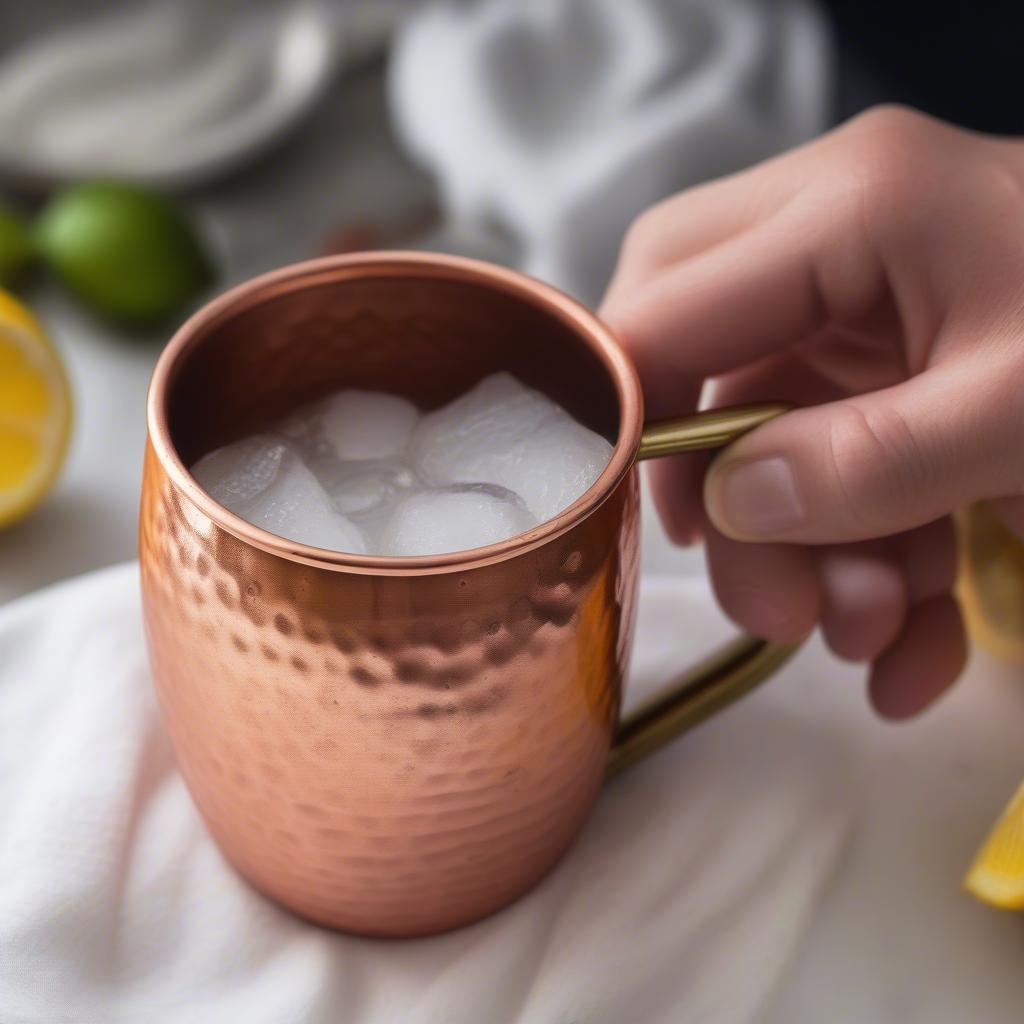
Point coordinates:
[[397, 746]]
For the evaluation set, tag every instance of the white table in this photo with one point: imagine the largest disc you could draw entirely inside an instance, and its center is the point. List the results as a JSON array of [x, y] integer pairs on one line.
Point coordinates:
[[894, 939]]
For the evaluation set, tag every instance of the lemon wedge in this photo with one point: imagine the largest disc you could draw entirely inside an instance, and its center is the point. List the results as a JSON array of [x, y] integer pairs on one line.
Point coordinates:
[[997, 875], [991, 583], [35, 411]]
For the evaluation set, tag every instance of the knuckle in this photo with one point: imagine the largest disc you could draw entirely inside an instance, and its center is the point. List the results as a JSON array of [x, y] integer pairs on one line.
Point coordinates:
[[889, 176], [892, 155], [892, 119], [879, 467]]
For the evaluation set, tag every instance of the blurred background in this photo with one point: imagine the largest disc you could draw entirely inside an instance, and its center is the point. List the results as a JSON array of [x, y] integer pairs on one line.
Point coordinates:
[[244, 136]]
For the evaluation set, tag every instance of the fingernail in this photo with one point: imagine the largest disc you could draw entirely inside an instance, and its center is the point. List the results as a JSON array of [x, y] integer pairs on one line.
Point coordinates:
[[757, 499]]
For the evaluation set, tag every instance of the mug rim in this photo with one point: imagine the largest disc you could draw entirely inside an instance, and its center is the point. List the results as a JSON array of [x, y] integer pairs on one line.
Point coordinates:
[[295, 276]]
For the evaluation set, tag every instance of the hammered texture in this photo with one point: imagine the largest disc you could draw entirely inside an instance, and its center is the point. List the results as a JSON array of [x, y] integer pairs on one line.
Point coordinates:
[[390, 755]]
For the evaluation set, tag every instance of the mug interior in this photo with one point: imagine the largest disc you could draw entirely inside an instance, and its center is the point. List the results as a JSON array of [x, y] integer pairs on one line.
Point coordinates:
[[424, 326], [424, 335]]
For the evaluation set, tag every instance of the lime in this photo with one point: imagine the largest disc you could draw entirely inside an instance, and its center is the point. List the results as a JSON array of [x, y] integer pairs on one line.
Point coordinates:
[[16, 249], [125, 251]]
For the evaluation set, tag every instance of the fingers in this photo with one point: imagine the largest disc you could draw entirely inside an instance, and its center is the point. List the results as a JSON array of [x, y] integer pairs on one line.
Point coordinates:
[[725, 307], [770, 589], [931, 649], [864, 601], [865, 596], [676, 489], [871, 465], [752, 296], [923, 662], [677, 482], [929, 559], [879, 602], [861, 594], [727, 283], [692, 222]]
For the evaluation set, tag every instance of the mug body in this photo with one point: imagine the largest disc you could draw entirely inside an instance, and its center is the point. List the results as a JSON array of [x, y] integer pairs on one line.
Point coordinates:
[[387, 746]]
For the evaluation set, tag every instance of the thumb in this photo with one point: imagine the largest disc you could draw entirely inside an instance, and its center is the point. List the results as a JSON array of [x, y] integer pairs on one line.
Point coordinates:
[[874, 464]]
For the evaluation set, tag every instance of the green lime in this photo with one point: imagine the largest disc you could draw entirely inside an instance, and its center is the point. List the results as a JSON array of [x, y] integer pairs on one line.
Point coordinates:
[[125, 251], [16, 249]]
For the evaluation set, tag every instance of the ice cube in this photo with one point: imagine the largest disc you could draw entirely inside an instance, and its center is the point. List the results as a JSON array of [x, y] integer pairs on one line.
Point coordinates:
[[364, 488], [295, 506], [552, 467], [497, 412], [503, 433], [433, 521], [367, 424], [263, 480], [361, 471], [237, 473]]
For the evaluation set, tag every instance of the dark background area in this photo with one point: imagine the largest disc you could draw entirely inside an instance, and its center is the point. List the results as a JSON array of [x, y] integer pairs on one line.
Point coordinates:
[[961, 62]]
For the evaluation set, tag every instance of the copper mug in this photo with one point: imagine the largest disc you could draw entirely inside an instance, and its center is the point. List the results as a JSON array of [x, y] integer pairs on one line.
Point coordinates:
[[398, 746]]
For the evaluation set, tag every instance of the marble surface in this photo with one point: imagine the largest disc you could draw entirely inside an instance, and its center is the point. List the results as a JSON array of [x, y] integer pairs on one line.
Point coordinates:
[[894, 940]]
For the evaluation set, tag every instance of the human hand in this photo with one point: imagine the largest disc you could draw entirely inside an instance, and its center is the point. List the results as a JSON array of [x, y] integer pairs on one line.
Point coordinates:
[[876, 277]]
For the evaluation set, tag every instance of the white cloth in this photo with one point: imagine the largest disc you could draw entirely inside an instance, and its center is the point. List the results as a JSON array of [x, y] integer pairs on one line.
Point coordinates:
[[558, 121], [683, 901]]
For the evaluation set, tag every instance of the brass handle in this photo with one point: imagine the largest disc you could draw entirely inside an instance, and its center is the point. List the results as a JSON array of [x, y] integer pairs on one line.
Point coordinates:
[[733, 670], [704, 430]]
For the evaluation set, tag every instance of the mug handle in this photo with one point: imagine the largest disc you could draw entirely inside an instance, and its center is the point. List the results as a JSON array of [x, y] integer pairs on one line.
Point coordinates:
[[734, 669]]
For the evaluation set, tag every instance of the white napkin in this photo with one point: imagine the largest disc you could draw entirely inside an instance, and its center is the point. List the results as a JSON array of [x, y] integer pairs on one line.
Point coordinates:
[[683, 901], [555, 122]]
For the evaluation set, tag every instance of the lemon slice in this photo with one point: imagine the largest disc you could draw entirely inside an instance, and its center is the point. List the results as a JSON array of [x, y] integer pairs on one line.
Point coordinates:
[[997, 875], [991, 583], [35, 411]]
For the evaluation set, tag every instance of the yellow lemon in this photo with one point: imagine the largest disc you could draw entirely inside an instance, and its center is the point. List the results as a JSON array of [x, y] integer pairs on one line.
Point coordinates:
[[35, 411], [997, 875], [991, 583]]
